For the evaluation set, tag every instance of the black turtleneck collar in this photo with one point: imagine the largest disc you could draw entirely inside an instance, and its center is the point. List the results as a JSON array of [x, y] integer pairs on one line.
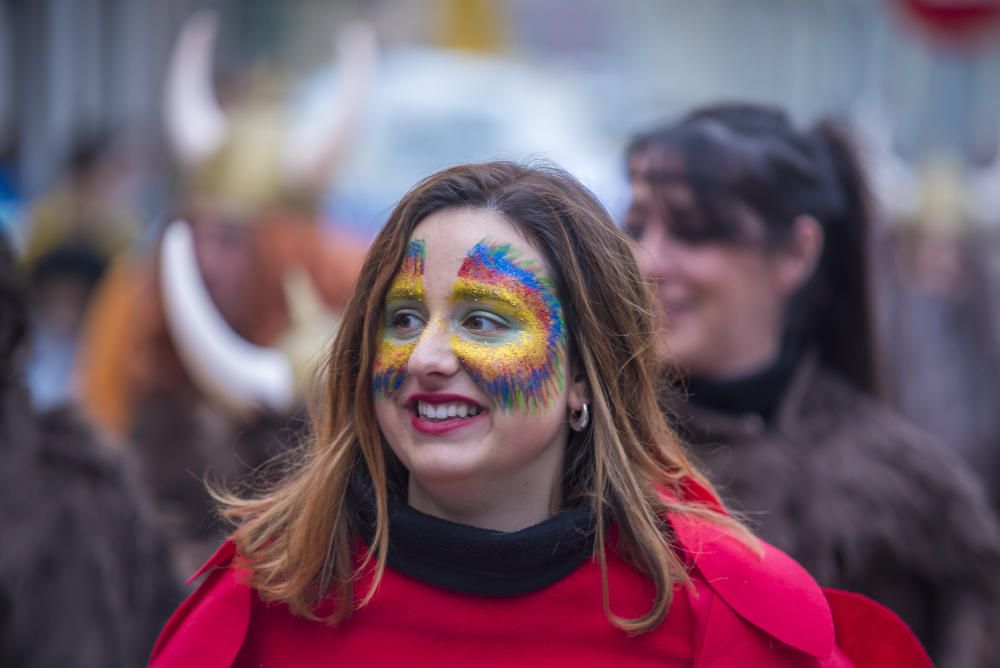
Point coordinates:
[[480, 561], [758, 393]]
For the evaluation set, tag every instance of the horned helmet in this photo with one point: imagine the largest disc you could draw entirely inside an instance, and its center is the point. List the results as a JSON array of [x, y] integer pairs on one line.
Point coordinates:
[[247, 162]]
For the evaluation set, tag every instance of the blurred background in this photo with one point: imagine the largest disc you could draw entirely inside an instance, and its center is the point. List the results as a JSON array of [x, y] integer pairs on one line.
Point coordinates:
[[467, 79], [918, 81], [119, 116], [82, 97], [83, 128]]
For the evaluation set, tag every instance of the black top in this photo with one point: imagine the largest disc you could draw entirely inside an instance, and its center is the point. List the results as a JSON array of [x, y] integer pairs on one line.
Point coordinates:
[[481, 561], [759, 393]]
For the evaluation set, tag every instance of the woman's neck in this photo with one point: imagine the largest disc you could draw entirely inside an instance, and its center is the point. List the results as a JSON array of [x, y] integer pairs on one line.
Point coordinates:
[[759, 391], [479, 561], [508, 505], [743, 360]]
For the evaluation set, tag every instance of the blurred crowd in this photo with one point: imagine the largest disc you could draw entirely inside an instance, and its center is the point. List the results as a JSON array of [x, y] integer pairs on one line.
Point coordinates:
[[153, 353]]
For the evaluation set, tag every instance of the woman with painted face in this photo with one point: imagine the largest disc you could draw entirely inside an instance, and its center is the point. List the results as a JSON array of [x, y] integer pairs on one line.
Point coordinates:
[[753, 236], [492, 482]]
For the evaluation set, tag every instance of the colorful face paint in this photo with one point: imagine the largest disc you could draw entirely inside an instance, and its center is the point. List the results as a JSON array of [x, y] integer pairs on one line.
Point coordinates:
[[520, 369], [394, 353]]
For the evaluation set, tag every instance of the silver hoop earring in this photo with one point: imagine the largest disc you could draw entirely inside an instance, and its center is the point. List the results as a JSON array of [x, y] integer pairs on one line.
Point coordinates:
[[579, 421]]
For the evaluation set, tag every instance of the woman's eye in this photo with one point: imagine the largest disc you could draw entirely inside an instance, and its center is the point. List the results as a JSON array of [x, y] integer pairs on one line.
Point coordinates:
[[633, 230], [483, 324], [405, 322], [634, 225]]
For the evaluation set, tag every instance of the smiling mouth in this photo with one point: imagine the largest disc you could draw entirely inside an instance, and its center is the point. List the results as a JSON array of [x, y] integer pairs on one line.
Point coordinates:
[[447, 411], [444, 415]]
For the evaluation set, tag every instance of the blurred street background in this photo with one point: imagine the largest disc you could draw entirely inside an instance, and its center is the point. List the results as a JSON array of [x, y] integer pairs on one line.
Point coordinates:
[[916, 82], [190, 187]]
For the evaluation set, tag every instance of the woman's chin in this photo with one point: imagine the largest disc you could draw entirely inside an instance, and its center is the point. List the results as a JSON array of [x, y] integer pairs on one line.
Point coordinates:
[[684, 349], [436, 473]]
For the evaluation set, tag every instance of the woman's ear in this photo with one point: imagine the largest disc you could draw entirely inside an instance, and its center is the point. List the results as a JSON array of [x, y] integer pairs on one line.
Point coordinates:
[[579, 393], [797, 260], [578, 403]]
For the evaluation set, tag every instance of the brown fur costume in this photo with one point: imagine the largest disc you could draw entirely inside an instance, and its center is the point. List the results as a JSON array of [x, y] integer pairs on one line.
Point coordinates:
[[84, 578], [181, 441], [865, 502]]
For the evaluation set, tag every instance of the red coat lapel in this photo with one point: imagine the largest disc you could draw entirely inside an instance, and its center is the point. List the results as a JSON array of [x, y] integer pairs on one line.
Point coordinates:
[[209, 627]]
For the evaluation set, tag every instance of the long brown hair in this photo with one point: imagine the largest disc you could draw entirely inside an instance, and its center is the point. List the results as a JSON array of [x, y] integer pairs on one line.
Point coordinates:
[[298, 539]]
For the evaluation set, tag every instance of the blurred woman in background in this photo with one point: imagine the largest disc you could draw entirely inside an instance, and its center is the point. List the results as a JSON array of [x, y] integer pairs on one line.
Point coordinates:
[[754, 237]]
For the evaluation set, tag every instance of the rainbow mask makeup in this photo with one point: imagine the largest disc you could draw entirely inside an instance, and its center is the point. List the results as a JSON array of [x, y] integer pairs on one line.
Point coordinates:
[[521, 369], [393, 355], [518, 362]]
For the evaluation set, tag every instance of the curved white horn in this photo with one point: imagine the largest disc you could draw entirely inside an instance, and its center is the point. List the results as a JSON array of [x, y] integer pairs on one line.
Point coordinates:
[[315, 147], [241, 375], [195, 124]]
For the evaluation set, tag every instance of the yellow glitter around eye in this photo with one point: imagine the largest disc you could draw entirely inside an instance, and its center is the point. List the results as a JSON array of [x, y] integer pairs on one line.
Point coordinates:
[[526, 370], [406, 287], [522, 368], [390, 365], [392, 357]]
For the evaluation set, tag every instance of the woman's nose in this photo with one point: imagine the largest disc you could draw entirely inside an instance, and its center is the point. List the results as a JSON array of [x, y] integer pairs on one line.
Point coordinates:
[[433, 356]]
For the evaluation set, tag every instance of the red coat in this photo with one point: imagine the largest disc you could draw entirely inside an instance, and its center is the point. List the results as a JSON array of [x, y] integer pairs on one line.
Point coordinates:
[[742, 611]]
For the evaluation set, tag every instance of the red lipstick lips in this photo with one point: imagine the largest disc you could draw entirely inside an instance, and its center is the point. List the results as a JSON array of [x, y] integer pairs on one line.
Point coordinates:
[[467, 413], [440, 398]]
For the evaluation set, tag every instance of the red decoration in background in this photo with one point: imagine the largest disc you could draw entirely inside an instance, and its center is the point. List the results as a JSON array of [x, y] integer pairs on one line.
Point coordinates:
[[965, 23]]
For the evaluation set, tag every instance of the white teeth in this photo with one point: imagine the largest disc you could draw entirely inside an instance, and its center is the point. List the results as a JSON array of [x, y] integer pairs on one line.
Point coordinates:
[[445, 411]]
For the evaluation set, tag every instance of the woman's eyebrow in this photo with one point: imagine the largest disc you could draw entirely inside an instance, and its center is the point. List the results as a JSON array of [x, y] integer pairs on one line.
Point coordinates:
[[405, 291], [408, 282], [472, 290]]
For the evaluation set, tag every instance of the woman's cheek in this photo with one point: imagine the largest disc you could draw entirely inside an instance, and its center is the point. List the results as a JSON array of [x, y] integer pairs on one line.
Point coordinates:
[[523, 373], [391, 363]]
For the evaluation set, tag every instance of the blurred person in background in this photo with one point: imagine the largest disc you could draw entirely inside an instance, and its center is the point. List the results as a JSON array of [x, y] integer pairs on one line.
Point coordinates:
[[938, 317], [198, 347], [72, 233], [91, 206], [85, 579], [11, 199], [754, 237], [61, 283]]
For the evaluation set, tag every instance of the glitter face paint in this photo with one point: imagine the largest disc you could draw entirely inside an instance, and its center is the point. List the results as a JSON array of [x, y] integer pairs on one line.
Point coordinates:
[[394, 354], [520, 369]]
